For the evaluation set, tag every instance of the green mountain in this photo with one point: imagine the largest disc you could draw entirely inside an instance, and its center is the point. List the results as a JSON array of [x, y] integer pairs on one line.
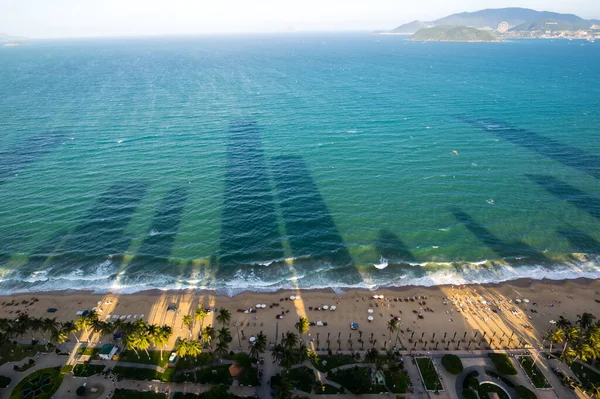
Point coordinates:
[[453, 33], [514, 16]]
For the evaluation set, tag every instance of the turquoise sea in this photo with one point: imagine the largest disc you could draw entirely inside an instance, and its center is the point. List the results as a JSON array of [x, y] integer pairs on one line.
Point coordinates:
[[255, 162]]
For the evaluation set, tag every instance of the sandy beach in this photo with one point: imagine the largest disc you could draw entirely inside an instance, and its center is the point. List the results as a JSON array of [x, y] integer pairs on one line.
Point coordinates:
[[459, 312]]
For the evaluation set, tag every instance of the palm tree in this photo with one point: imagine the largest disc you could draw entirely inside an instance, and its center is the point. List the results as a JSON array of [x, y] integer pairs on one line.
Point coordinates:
[[224, 316], [70, 328], [568, 356], [34, 325], [199, 315], [557, 337], [181, 347], [289, 340], [572, 334], [82, 324], [392, 326], [58, 336], [372, 355], [194, 348], [50, 325], [586, 320], [302, 325], [585, 352], [284, 389], [563, 322], [224, 335], [160, 338], [222, 349], [208, 334], [260, 344], [106, 328], [187, 321]]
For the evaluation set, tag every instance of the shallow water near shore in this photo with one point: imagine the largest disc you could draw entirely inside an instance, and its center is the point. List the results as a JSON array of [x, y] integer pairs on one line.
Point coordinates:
[[263, 162]]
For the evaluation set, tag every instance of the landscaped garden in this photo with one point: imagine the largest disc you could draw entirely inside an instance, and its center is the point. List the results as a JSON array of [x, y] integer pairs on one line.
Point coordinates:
[[326, 389], [190, 362], [325, 363], [429, 374], [41, 384], [207, 375], [90, 351], [134, 373], [356, 380], [533, 371], [503, 363], [587, 375]]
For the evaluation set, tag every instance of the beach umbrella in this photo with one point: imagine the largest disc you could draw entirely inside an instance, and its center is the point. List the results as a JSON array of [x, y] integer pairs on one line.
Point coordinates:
[[375, 296], [252, 339], [526, 300], [381, 296], [333, 307], [258, 306], [325, 307], [292, 297], [517, 300], [552, 321], [370, 318], [370, 310]]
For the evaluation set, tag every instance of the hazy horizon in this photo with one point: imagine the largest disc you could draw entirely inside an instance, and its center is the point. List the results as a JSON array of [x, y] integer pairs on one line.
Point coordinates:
[[38, 19]]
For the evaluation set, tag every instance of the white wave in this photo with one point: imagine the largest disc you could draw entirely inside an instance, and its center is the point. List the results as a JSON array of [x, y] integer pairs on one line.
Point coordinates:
[[104, 278], [383, 263]]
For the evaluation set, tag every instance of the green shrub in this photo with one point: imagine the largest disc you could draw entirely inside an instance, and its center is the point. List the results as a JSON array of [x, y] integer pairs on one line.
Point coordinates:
[[302, 378], [469, 394], [452, 364], [4, 381], [524, 393], [503, 364], [132, 373], [86, 369]]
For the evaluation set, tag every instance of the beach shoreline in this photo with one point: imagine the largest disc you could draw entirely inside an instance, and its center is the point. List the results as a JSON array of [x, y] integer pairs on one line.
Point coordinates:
[[464, 310]]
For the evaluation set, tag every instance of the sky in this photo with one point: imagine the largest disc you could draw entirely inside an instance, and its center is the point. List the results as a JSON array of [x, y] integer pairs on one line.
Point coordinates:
[[88, 18]]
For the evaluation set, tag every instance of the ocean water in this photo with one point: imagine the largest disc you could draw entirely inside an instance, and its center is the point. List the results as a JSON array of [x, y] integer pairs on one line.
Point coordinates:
[[258, 162]]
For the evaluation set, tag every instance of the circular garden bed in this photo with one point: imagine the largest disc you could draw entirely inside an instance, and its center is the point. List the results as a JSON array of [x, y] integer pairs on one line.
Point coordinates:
[[41, 384]]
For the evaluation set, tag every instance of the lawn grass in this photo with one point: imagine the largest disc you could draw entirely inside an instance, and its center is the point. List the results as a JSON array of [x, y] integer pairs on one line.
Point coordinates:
[[333, 362], [327, 390], [429, 374], [10, 352], [154, 358], [129, 394], [250, 377], [503, 363], [190, 362], [452, 364], [587, 375], [206, 375], [356, 379], [533, 371], [302, 378], [86, 370], [397, 381], [90, 351], [242, 358], [133, 373], [31, 381]]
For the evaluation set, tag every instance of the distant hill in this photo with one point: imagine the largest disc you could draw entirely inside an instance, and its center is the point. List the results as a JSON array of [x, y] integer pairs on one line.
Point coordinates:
[[517, 18], [5, 36], [412, 27], [453, 33], [551, 24]]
